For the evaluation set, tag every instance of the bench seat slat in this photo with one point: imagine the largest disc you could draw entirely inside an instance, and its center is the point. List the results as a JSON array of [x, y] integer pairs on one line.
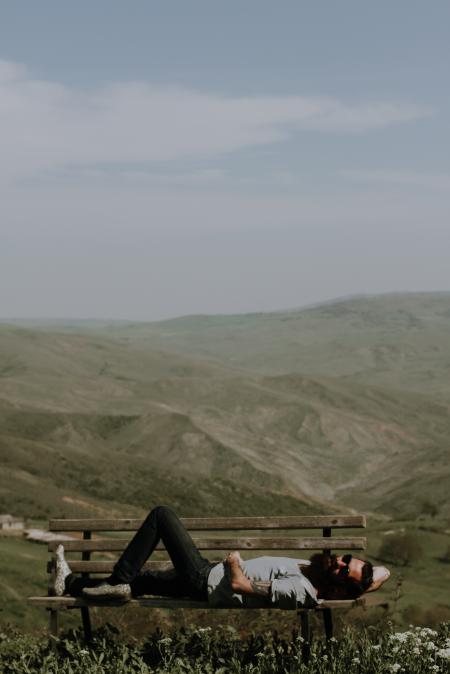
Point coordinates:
[[247, 543], [164, 602], [217, 523]]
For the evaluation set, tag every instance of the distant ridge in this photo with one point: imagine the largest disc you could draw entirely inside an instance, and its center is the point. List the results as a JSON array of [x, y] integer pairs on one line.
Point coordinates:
[[95, 323]]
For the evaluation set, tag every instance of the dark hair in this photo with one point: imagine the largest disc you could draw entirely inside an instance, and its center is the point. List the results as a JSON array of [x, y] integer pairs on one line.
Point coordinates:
[[349, 588], [366, 576], [330, 585]]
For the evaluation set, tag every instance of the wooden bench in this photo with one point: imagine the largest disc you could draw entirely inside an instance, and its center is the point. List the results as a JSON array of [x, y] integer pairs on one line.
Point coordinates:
[[269, 535]]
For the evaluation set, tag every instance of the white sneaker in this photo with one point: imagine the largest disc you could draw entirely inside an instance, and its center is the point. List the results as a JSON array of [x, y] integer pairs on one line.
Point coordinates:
[[62, 571], [107, 591]]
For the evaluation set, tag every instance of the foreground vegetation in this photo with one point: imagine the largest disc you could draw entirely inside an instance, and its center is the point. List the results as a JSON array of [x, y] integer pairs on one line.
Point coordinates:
[[416, 651]]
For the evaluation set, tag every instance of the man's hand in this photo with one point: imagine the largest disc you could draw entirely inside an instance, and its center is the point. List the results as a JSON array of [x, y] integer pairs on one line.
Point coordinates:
[[233, 558], [239, 581], [232, 564]]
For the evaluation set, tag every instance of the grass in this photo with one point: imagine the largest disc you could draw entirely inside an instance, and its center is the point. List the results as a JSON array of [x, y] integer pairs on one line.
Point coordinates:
[[22, 574], [419, 591]]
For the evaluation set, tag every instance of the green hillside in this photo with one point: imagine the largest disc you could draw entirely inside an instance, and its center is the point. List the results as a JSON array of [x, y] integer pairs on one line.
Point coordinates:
[[90, 424], [337, 407], [397, 341]]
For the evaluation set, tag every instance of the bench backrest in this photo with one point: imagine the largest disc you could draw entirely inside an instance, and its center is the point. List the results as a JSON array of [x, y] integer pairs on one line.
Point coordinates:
[[273, 535]]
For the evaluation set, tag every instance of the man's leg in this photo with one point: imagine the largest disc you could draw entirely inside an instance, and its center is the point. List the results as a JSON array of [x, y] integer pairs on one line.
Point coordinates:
[[74, 585], [165, 583], [162, 524]]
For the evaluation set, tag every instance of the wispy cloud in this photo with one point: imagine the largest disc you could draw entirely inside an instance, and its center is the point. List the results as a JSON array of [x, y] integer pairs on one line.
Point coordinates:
[[47, 126], [408, 179]]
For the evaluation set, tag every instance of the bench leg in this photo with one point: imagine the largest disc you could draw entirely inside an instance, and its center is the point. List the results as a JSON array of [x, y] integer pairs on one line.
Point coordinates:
[[328, 623], [306, 635], [53, 627], [86, 618]]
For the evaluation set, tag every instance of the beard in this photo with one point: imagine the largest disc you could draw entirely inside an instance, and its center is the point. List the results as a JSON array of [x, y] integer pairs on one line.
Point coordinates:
[[324, 563]]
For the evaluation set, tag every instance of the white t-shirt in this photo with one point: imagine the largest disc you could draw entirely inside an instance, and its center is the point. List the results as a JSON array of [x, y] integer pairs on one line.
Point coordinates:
[[289, 587]]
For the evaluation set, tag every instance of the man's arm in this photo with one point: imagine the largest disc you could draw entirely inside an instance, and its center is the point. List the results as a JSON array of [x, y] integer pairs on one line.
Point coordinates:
[[240, 583], [286, 592]]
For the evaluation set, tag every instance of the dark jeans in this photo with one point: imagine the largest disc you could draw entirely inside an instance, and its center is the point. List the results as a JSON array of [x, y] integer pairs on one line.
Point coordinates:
[[189, 575]]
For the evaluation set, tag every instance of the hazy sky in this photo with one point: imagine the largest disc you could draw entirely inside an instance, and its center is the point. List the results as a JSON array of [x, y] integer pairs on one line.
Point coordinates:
[[167, 157]]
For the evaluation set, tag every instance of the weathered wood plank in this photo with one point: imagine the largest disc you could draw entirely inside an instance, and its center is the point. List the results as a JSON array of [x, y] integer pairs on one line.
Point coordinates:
[[153, 602], [216, 523], [106, 566], [244, 543], [165, 602]]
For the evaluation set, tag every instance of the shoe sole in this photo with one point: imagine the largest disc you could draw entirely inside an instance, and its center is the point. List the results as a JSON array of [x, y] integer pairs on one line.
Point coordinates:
[[105, 599]]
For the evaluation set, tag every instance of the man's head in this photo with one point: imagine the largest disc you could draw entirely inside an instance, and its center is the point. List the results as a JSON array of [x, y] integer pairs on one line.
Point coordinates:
[[354, 572], [344, 577], [369, 577]]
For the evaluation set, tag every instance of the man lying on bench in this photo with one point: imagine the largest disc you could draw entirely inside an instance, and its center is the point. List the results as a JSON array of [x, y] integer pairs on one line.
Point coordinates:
[[264, 581]]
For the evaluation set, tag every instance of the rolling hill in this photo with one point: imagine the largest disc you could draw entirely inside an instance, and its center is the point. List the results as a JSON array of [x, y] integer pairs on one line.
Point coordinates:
[[337, 407], [397, 340]]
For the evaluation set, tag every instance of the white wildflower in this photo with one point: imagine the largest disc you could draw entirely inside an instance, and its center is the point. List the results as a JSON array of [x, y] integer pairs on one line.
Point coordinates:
[[427, 632], [444, 653], [395, 667], [416, 651], [355, 661], [401, 637], [430, 646], [376, 647], [83, 652]]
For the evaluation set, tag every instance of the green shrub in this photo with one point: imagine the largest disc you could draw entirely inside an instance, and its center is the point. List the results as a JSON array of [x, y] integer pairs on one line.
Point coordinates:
[[402, 550], [446, 556], [429, 508]]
